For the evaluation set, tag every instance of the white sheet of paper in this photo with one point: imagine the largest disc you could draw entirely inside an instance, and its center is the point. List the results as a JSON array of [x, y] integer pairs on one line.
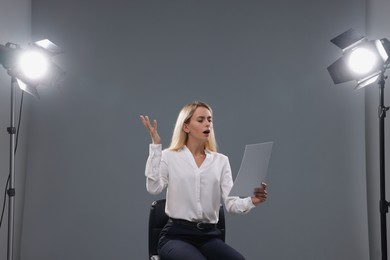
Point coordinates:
[[253, 169]]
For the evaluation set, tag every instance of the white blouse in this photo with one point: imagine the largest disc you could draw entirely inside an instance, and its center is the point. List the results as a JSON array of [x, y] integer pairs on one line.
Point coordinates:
[[194, 193]]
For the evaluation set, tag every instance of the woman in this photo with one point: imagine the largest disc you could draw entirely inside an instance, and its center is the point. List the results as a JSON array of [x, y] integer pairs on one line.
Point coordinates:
[[196, 177]]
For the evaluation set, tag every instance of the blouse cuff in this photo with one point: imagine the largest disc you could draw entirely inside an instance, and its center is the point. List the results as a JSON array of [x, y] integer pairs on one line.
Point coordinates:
[[249, 204], [155, 149], [153, 162]]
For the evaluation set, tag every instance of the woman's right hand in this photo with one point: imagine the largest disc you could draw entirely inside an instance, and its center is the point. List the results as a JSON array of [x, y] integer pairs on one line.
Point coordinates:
[[152, 129]]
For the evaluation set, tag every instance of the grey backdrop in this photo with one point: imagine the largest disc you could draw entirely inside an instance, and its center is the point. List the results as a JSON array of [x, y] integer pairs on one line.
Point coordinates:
[[262, 67]]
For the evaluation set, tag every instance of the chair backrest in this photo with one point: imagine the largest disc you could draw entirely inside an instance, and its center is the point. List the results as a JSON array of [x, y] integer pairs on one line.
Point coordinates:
[[158, 219]]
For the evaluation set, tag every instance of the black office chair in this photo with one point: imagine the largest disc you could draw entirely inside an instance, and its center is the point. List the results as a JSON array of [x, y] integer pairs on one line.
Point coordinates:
[[158, 219]]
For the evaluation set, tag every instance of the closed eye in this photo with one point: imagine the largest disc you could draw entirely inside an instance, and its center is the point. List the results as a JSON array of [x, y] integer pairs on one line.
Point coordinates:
[[201, 119]]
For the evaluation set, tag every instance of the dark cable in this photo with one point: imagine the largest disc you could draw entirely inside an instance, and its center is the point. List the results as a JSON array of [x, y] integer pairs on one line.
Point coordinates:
[[4, 201], [20, 119]]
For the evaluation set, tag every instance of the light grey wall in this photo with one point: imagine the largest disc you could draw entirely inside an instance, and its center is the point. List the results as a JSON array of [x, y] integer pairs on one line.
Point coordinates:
[[377, 21], [262, 67], [15, 27]]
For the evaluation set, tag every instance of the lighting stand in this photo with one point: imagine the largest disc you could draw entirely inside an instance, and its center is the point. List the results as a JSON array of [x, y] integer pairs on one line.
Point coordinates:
[[9, 55], [384, 205], [11, 188]]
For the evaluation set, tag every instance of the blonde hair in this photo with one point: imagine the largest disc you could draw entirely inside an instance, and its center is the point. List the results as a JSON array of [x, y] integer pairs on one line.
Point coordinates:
[[179, 137]]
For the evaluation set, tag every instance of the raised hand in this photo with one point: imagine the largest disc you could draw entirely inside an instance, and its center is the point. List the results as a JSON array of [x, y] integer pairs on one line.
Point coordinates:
[[152, 129]]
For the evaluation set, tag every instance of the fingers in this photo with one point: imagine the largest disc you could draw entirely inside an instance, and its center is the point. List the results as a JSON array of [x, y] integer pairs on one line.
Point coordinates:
[[145, 120], [152, 129], [155, 124], [263, 187], [261, 193]]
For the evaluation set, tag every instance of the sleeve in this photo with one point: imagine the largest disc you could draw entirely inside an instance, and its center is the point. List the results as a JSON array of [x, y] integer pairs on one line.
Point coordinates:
[[156, 170], [233, 204]]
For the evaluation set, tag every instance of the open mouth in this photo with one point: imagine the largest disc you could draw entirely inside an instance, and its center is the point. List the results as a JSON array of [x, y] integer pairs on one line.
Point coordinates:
[[206, 132]]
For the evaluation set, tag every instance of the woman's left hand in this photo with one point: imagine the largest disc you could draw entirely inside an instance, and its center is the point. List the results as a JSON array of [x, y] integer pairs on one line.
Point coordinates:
[[260, 194]]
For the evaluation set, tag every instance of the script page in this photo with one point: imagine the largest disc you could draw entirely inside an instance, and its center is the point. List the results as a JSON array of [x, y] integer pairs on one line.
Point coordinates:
[[253, 169]]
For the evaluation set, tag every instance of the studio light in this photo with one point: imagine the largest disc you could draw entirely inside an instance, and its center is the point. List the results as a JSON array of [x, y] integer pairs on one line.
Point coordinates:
[[362, 60], [28, 68], [33, 65], [366, 62]]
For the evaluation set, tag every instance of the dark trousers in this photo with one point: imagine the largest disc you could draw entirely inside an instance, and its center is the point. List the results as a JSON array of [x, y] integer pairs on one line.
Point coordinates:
[[178, 242]]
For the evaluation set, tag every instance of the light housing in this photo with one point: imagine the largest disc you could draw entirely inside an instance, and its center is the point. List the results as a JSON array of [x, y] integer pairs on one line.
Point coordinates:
[[362, 60], [33, 65]]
